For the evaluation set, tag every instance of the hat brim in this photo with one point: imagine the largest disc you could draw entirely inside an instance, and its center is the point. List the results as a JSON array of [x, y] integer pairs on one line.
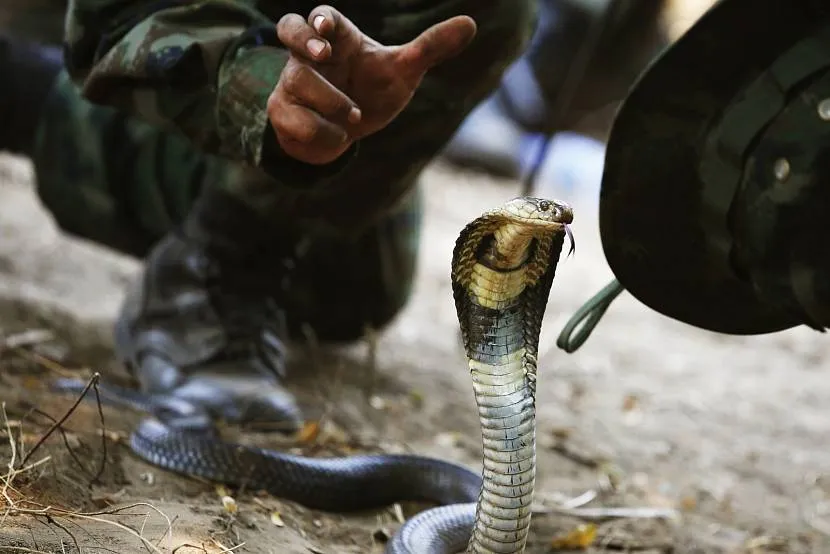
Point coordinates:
[[664, 237]]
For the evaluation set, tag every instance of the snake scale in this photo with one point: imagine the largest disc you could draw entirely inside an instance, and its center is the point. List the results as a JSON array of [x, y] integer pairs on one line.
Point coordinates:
[[503, 267]]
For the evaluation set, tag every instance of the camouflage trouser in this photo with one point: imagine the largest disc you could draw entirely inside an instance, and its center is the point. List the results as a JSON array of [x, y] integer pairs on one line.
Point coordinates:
[[117, 181], [112, 179]]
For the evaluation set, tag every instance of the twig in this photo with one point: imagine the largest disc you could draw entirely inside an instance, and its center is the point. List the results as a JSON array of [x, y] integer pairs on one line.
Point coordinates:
[[625, 545], [63, 528], [313, 346], [188, 545], [224, 548], [103, 465], [52, 512], [614, 513], [331, 396], [371, 363], [150, 546], [65, 438], [576, 457], [13, 445], [26, 338], [44, 361], [92, 381]]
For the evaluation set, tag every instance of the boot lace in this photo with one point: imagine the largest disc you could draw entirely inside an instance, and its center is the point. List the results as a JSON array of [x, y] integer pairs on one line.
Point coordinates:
[[246, 301]]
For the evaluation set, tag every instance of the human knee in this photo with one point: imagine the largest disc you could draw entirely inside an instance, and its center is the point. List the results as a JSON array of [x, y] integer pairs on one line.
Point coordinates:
[[341, 288]]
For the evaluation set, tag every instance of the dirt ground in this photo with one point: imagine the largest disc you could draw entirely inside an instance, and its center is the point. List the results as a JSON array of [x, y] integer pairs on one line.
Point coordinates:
[[704, 444]]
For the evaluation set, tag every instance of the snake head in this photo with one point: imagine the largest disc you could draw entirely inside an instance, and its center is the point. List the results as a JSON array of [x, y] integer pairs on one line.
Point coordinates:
[[541, 215], [540, 212]]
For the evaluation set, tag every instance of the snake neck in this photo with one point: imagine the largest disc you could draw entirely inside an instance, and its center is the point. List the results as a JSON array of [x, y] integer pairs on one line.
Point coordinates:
[[502, 362], [507, 415], [502, 273]]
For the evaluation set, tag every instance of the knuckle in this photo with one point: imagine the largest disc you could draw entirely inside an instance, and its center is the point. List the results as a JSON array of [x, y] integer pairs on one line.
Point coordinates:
[[293, 76], [289, 28], [306, 131], [279, 124], [325, 9], [342, 105], [285, 23]]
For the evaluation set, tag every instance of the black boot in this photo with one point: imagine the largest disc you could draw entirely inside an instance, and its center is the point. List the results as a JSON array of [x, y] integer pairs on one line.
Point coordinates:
[[202, 323], [27, 72]]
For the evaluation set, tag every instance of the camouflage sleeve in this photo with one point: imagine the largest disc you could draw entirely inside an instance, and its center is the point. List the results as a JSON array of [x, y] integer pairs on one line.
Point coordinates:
[[159, 60]]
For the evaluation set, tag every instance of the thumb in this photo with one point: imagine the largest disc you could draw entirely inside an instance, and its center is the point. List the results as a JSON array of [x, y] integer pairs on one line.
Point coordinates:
[[437, 44]]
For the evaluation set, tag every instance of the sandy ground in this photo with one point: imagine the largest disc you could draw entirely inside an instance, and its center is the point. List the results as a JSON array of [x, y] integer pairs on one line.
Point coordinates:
[[726, 431], [723, 437]]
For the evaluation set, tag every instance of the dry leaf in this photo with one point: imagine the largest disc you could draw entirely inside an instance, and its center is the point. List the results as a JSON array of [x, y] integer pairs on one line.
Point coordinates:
[[276, 519], [688, 503], [448, 439], [397, 510], [630, 403], [581, 537], [561, 433], [309, 432], [416, 398]]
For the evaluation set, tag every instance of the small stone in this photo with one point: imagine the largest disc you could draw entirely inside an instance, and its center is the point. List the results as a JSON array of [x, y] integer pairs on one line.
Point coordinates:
[[229, 505]]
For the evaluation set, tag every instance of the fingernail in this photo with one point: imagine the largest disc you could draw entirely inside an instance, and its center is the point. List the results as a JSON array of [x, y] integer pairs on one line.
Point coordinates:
[[315, 46], [318, 22], [355, 115]]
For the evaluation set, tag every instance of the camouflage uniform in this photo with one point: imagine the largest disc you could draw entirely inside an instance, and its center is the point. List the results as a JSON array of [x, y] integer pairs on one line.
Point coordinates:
[[156, 130]]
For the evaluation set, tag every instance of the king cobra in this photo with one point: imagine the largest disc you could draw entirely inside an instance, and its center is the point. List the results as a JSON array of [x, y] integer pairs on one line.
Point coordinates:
[[503, 267]]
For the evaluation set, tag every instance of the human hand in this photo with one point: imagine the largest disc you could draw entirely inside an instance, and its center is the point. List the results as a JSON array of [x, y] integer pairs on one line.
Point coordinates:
[[340, 85]]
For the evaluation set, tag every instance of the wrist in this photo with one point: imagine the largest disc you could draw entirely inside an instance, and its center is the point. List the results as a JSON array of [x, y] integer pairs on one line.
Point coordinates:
[[244, 85]]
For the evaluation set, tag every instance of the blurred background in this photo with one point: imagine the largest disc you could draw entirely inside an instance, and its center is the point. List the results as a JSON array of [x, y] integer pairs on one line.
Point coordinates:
[[721, 439]]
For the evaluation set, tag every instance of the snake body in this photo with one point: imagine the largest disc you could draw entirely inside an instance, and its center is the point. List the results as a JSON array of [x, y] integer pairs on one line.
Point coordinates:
[[502, 271]]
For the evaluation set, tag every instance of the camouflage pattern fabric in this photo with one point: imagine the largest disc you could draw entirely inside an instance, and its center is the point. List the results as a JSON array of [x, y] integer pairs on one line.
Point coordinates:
[[155, 106], [160, 62]]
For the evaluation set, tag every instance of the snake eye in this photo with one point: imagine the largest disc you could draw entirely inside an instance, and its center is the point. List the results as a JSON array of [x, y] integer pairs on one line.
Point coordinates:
[[544, 205]]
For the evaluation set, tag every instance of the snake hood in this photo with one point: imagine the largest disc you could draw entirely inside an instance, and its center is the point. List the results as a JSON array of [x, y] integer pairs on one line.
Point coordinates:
[[502, 271], [714, 199]]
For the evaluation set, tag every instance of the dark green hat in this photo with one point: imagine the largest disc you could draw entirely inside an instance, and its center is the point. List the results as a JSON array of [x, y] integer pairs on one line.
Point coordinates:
[[715, 201]]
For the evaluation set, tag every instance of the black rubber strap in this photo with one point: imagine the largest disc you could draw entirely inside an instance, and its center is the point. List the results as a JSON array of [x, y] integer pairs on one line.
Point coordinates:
[[586, 318]]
